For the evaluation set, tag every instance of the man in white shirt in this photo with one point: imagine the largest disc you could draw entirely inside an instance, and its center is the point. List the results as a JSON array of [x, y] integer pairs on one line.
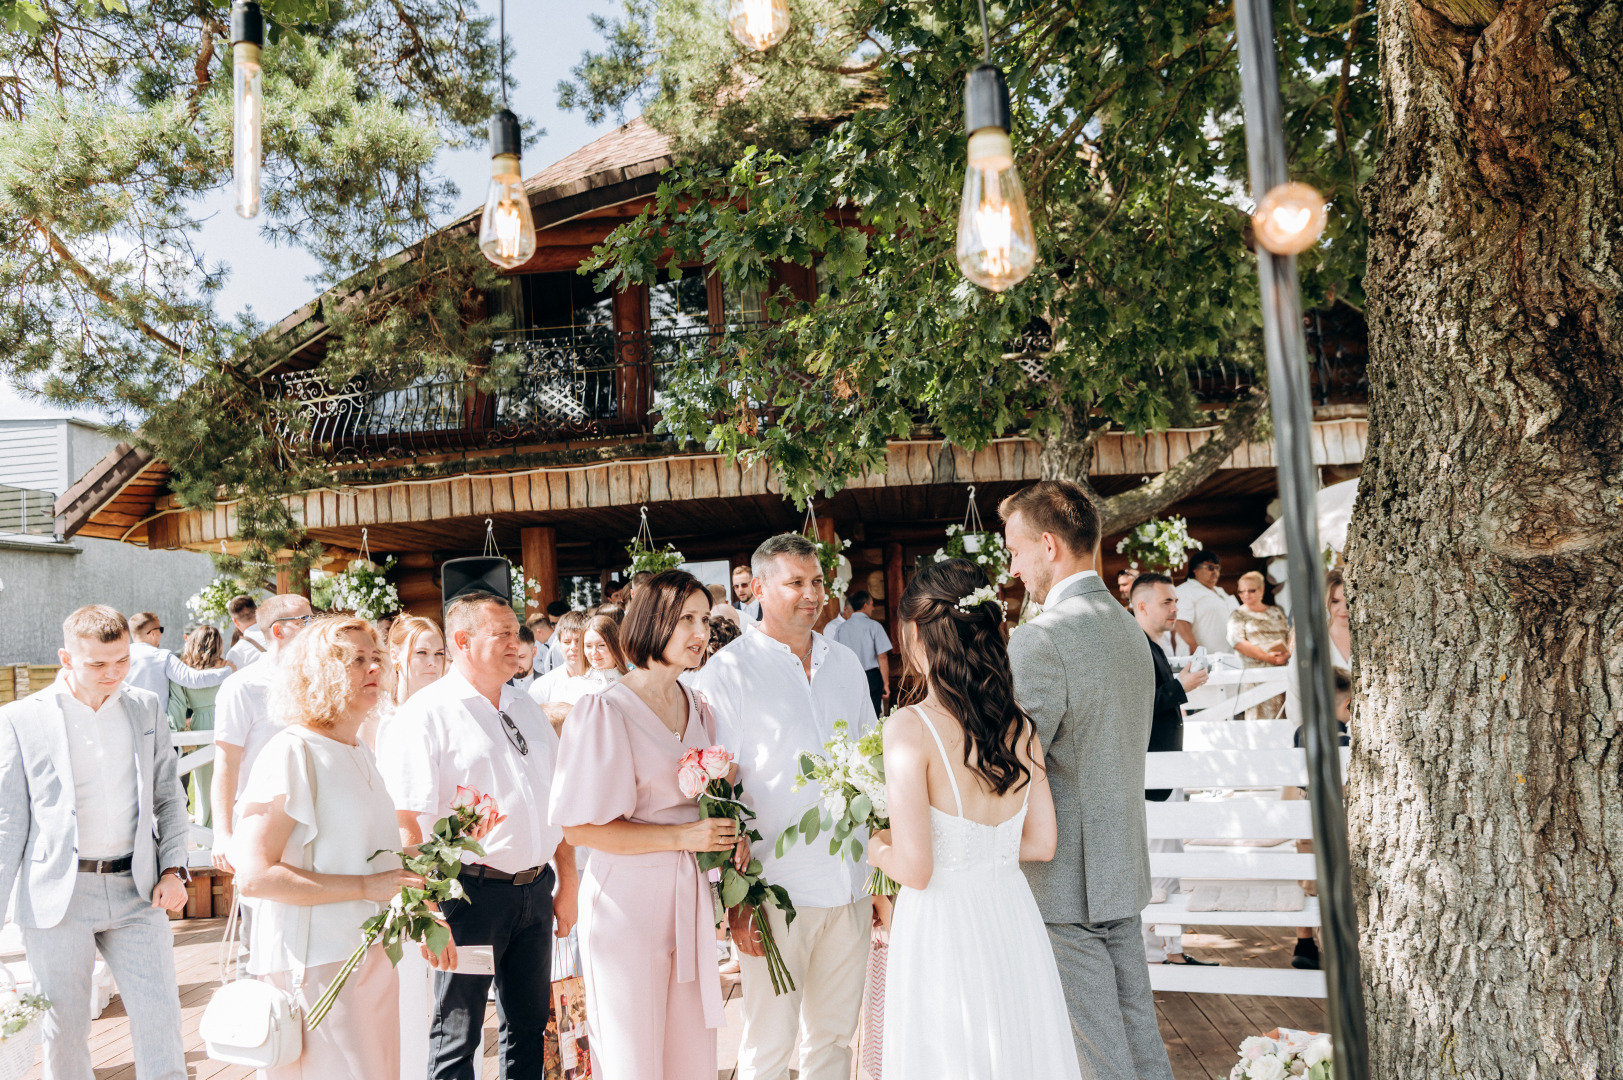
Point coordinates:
[[777, 691], [746, 601], [471, 728], [242, 720], [245, 617], [93, 833], [832, 630], [865, 637], [153, 668], [1203, 605]]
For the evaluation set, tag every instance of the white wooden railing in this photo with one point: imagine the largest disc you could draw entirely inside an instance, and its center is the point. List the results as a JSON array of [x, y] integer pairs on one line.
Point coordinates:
[[202, 754]]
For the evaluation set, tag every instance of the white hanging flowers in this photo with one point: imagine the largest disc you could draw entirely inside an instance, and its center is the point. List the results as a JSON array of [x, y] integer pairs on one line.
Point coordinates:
[[985, 549], [363, 588], [645, 556], [1160, 545]]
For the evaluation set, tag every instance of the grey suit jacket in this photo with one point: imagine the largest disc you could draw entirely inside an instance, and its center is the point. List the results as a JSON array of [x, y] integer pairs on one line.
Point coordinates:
[[1082, 670], [39, 831]]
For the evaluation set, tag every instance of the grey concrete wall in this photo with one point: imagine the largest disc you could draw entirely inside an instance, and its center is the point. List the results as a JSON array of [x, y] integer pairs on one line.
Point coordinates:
[[38, 588]]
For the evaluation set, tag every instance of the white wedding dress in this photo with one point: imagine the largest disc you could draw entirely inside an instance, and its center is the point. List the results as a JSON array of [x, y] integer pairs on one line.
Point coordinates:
[[971, 988]]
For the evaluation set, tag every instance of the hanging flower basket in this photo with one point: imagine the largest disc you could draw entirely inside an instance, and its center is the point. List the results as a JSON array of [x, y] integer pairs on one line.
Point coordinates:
[[209, 603], [363, 588], [645, 557], [20, 1026], [830, 558], [982, 546], [1161, 546]]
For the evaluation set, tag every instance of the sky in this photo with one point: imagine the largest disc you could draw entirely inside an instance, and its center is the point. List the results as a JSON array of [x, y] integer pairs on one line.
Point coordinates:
[[547, 38]]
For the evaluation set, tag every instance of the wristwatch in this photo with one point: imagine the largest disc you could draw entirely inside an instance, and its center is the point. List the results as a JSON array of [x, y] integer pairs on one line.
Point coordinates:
[[182, 872]]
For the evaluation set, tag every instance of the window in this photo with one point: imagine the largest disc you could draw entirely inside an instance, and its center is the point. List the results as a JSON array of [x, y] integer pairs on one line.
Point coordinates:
[[679, 301], [554, 305], [741, 307]]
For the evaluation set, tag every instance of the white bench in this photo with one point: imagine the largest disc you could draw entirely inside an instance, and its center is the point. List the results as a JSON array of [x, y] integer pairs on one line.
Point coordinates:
[[203, 742], [1249, 761], [1229, 691]]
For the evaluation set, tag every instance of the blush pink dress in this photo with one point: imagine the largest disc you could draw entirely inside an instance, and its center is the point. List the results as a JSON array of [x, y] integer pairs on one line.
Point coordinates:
[[647, 924]]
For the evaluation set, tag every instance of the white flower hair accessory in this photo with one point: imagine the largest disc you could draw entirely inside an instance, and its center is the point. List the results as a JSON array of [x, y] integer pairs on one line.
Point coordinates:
[[987, 594]]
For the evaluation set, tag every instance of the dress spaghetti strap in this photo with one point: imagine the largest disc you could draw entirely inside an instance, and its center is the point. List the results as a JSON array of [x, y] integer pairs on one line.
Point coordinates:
[[951, 779]]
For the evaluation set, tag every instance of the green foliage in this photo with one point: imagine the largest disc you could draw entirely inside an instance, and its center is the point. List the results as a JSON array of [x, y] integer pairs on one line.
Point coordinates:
[[1127, 131], [115, 124]]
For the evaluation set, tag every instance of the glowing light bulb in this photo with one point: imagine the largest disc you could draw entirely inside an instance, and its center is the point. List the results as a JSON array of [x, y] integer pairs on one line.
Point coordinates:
[[248, 104], [1289, 219], [758, 24], [996, 245], [507, 228]]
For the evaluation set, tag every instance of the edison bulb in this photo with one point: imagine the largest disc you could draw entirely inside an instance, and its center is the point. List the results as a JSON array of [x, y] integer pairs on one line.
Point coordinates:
[[507, 228], [996, 247], [1289, 219], [758, 24], [248, 96]]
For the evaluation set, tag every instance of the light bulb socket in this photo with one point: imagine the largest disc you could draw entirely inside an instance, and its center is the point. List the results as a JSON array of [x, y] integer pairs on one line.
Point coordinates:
[[506, 138], [986, 100], [247, 23]]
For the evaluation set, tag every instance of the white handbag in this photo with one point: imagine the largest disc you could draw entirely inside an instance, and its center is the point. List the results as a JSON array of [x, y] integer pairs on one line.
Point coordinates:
[[249, 1021]]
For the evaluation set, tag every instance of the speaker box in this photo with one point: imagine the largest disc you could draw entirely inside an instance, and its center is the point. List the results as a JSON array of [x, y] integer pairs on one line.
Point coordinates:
[[480, 574]]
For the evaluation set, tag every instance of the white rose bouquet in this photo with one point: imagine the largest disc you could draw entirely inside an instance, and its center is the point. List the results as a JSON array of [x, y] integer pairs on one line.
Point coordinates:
[[1294, 1054], [850, 777]]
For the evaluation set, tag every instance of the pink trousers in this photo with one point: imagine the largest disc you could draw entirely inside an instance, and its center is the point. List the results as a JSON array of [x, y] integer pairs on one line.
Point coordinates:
[[360, 1038]]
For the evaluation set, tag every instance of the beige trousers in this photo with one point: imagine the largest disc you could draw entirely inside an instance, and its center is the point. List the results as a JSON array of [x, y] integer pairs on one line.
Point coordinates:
[[826, 951], [360, 1038]]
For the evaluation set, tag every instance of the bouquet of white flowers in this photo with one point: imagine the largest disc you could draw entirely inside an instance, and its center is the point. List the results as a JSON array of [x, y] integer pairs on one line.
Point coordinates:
[[850, 776], [1162, 546], [1302, 1054], [363, 588], [19, 1027]]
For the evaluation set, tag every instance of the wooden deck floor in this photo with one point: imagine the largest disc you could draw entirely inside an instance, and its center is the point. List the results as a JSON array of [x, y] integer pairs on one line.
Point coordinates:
[[1201, 1030]]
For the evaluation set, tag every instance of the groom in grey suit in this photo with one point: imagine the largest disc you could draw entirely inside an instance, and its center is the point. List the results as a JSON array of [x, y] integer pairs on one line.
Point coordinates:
[[93, 832], [1082, 671]]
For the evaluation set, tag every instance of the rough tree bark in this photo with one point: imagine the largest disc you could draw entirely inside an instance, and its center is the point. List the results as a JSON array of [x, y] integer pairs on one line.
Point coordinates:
[[1068, 455], [1486, 564]]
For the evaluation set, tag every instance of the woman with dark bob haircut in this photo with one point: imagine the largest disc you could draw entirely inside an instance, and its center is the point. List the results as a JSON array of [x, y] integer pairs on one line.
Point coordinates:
[[646, 930]]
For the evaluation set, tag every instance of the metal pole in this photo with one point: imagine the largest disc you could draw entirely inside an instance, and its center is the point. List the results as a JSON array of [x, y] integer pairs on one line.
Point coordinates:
[[1286, 349]]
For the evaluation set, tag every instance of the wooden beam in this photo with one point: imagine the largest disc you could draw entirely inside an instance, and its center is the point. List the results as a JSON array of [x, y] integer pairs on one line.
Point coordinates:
[[101, 485], [539, 552], [893, 591], [289, 580]]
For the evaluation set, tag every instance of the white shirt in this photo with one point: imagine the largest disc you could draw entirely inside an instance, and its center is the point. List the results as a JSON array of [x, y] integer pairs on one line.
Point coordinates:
[[242, 716], [1207, 612], [832, 630], [865, 637], [350, 828], [767, 713], [559, 687], [447, 734], [153, 669], [101, 751], [243, 652], [1056, 589]]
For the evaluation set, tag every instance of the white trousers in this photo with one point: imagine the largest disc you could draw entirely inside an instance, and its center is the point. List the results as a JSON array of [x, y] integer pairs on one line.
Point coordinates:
[[826, 951]]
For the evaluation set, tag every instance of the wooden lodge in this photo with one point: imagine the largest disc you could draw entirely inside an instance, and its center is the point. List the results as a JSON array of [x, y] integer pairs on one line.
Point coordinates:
[[561, 464]]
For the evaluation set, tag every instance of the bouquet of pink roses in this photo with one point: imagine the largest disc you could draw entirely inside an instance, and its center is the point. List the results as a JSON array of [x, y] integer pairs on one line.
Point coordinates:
[[702, 775], [410, 916]]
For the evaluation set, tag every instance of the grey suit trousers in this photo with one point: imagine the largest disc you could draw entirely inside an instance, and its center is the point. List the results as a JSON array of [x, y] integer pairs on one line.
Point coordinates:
[[1116, 1033], [107, 913]]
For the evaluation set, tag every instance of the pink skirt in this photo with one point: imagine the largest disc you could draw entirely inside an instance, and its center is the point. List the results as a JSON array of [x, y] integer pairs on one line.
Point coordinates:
[[360, 1038]]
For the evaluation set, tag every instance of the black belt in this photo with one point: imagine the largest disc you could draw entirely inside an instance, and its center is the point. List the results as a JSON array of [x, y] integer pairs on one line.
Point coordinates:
[[106, 866], [488, 875]]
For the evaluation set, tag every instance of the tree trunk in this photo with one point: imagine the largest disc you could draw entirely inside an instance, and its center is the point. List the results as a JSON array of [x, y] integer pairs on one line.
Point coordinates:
[[1068, 455], [1485, 808]]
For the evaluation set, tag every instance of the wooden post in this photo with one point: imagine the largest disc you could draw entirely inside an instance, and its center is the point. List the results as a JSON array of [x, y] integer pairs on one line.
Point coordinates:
[[826, 533], [893, 591], [538, 548], [289, 580]]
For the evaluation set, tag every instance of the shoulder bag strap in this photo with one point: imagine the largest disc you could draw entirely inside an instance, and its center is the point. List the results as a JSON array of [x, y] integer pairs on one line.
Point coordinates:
[[309, 864]]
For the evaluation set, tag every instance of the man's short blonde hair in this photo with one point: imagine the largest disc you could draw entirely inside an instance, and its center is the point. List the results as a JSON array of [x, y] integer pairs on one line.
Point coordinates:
[[96, 622], [279, 606], [143, 621], [312, 688]]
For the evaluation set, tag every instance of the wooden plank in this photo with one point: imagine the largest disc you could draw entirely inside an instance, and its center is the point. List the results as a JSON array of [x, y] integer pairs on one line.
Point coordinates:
[[1203, 1040], [705, 482], [597, 487], [680, 478], [1238, 735], [501, 494], [1185, 1064], [558, 487], [1237, 863], [481, 500], [659, 487], [1230, 768], [1271, 982], [461, 496], [439, 501], [1230, 819], [519, 492], [619, 479]]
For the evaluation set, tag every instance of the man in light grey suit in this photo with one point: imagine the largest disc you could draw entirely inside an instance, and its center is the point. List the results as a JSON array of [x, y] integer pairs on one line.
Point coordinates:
[[93, 832], [1083, 672]]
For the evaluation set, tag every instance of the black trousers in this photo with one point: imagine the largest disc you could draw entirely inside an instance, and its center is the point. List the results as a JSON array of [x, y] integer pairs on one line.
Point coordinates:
[[516, 920], [876, 690]]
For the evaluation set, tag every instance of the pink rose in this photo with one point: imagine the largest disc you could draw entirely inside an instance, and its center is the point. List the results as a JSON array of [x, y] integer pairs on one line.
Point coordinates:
[[465, 796], [692, 757], [691, 778], [716, 762]]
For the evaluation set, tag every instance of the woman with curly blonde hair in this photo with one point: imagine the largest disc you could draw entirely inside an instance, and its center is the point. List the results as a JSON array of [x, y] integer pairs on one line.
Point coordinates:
[[315, 849]]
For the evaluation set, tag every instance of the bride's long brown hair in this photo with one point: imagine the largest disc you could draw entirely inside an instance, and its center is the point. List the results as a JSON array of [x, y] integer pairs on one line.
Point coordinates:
[[969, 668]]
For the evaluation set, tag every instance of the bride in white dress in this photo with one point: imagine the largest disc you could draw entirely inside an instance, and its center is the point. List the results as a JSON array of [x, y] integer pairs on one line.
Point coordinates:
[[971, 988]]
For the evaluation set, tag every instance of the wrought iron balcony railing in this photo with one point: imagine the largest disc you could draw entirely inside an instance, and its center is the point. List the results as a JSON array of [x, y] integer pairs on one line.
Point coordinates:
[[591, 385]]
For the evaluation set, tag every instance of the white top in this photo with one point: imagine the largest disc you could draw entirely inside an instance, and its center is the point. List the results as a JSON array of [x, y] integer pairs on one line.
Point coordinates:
[[447, 734], [243, 653], [560, 687], [153, 669], [101, 751], [350, 819], [1064, 583], [242, 716], [1207, 612], [829, 631], [863, 636], [766, 714]]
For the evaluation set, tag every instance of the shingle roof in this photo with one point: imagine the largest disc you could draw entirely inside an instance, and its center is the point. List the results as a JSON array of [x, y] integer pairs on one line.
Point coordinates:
[[630, 150]]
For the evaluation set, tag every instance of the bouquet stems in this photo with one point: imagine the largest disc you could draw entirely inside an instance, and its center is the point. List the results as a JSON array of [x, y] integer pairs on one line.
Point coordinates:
[[880, 884], [782, 981], [324, 1004]]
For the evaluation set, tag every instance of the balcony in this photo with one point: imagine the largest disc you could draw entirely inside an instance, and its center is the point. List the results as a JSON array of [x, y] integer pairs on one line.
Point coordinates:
[[599, 384]]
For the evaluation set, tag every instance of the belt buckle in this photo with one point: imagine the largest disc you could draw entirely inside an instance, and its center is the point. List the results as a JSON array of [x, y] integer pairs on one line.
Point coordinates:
[[525, 877]]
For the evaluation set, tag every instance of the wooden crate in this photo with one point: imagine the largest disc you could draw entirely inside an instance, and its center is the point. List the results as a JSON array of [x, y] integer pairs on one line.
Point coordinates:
[[20, 680]]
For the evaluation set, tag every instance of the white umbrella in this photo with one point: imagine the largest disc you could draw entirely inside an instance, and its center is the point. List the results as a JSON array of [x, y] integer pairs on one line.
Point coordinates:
[[1335, 505]]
